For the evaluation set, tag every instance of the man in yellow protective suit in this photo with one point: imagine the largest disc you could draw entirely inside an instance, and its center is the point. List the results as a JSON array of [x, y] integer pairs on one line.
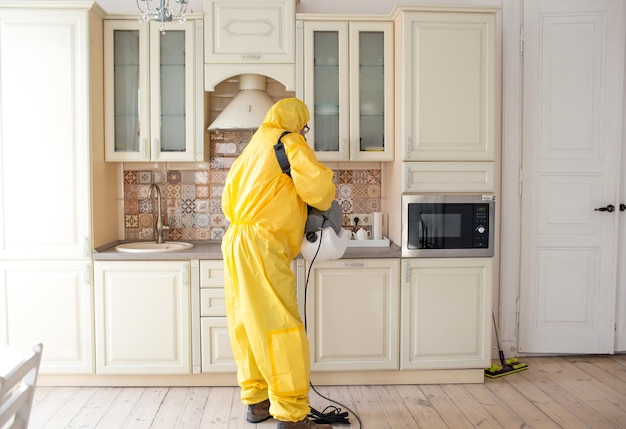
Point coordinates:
[[267, 211]]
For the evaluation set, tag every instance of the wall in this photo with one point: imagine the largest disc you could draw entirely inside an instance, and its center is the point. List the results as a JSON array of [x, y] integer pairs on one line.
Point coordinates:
[[192, 197]]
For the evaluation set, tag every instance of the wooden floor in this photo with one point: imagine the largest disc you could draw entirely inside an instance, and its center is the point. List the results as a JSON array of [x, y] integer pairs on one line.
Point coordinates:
[[554, 392]]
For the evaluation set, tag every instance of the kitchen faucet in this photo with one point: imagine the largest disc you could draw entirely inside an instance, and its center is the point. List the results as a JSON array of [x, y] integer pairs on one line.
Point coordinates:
[[161, 228]]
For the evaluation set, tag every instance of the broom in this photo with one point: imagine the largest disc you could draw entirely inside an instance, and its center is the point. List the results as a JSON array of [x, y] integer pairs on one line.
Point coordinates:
[[508, 366]]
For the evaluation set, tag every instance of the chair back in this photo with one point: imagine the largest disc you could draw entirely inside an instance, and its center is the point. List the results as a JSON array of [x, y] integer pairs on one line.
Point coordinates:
[[17, 388]]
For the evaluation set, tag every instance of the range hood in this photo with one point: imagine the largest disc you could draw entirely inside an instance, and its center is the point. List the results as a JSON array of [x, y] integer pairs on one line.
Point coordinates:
[[248, 108]]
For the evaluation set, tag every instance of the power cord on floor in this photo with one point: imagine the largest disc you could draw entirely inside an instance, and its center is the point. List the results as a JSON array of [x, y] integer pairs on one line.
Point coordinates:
[[331, 414]]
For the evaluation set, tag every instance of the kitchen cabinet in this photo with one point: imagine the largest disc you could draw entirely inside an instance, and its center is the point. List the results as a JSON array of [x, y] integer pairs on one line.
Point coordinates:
[[153, 91], [216, 352], [51, 101], [352, 314], [49, 302], [347, 73], [245, 37], [142, 317], [446, 93], [448, 177], [446, 313]]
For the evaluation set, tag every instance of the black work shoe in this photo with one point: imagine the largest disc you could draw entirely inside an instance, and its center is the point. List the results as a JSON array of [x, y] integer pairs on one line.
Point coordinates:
[[302, 424], [258, 412]]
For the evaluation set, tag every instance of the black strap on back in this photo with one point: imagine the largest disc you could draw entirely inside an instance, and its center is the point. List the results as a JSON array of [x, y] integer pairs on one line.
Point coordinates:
[[281, 155]]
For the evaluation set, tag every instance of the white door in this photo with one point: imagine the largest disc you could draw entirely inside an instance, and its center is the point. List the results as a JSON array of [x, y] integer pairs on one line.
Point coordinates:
[[620, 331], [573, 100]]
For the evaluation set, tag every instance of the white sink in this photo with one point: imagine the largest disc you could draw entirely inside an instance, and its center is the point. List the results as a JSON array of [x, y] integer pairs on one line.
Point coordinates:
[[153, 247]]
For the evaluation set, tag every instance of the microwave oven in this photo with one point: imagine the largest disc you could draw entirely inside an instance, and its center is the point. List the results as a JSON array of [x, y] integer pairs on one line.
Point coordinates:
[[448, 226]]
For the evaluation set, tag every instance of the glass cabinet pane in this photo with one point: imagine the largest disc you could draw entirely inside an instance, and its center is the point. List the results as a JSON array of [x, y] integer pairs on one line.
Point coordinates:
[[326, 93], [372, 90], [126, 90], [172, 77]]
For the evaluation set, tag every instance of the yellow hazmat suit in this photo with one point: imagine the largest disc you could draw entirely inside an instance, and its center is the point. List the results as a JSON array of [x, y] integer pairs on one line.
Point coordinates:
[[267, 211]]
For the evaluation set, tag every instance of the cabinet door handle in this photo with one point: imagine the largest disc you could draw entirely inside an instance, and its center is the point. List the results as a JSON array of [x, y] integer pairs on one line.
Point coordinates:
[[409, 147], [409, 177], [155, 149], [142, 149], [344, 149], [622, 207]]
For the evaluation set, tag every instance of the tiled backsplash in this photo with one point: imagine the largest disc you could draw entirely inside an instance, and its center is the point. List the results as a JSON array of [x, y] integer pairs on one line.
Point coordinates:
[[191, 199]]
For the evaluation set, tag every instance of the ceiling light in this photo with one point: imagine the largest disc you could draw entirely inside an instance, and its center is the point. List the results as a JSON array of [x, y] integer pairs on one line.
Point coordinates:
[[160, 10]]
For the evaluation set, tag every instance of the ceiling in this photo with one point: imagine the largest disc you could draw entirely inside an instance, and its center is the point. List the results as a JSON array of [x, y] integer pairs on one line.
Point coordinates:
[[129, 7]]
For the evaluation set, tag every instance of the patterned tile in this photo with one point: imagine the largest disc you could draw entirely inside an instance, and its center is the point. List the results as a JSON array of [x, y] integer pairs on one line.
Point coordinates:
[[130, 177], [202, 191], [144, 177], [188, 192], [192, 199]]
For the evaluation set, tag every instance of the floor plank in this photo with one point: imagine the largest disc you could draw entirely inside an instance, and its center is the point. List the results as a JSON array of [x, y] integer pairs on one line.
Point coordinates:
[[572, 392]]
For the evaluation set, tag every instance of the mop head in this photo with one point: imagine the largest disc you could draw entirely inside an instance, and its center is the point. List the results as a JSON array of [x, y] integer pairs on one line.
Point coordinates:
[[510, 366]]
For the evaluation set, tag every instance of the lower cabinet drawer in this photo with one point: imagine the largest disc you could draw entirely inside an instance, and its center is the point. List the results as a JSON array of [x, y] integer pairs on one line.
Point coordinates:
[[212, 302], [216, 352]]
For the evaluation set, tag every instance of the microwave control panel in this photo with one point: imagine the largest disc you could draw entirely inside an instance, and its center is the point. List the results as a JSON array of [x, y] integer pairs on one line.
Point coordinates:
[[481, 225]]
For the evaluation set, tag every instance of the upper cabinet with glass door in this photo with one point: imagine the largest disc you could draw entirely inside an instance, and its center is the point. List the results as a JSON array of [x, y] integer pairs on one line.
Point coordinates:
[[150, 91], [348, 85]]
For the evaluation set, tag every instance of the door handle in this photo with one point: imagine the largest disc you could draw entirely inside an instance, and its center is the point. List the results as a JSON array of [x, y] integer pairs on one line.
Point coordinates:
[[622, 207], [610, 208]]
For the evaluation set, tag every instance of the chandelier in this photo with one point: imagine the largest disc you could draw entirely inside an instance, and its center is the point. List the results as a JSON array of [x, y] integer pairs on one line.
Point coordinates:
[[160, 10]]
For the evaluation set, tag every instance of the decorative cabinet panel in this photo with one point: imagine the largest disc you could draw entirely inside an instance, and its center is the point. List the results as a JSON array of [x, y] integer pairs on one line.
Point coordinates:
[[159, 340], [152, 88], [244, 36], [348, 85], [446, 177], [49, 302], [447, 85], [46, 137], [216, 352], [446, 313], [241, 31], [352, 314], [51, 122]]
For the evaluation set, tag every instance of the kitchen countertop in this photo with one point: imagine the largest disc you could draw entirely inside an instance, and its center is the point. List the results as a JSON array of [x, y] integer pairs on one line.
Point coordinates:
[[212, 250]]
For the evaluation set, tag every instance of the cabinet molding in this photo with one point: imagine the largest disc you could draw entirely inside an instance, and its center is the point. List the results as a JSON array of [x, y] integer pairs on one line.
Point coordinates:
[[448, 177], [241, 31]]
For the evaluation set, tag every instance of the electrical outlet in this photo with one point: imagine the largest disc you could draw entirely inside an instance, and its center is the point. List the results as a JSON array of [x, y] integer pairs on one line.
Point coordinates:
[[365, 219]]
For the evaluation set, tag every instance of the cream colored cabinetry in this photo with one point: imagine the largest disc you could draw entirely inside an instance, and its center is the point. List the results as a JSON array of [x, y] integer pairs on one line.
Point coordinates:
[[153, 91], [51, 98], [446, 313], [446, 96], [142, 317], [347, 71], [51, 302], [249, 37], [352, 314], [448, 177], [216, 352]]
